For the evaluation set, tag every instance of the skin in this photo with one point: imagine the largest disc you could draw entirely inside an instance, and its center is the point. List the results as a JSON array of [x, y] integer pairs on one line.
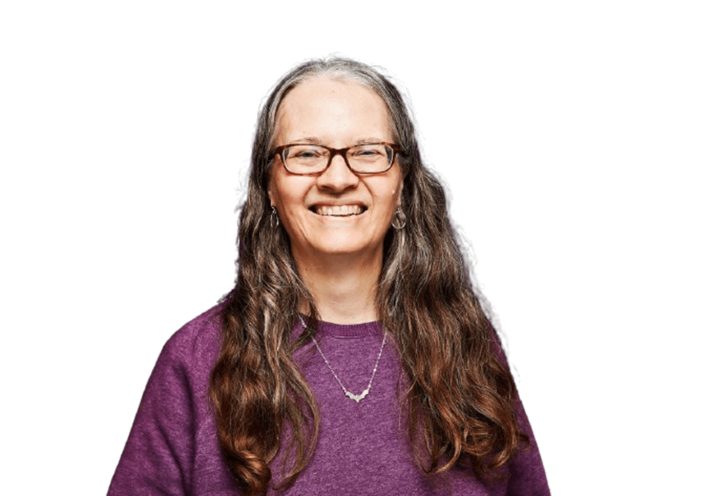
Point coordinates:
[[339, 257]]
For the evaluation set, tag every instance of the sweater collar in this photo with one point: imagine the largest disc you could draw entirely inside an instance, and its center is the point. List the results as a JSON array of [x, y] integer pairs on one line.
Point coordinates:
[[345, 330]]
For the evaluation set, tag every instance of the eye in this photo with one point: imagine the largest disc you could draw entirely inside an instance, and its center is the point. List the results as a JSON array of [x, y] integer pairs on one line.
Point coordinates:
[[305, 152], [368, 153]]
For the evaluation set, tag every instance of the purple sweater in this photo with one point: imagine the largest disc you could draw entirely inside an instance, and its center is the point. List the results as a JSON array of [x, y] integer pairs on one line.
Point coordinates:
[[173, 447]]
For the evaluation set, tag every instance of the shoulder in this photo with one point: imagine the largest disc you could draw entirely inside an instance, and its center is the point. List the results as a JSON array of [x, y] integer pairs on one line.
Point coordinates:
[[174, 425], [188, 357], [197, 343]]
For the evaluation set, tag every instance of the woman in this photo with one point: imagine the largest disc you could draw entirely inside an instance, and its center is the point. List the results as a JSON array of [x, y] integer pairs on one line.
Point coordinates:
[[352, 354]]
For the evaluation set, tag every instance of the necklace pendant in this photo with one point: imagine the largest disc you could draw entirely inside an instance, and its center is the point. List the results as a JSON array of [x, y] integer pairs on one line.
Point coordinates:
[[357, 397]]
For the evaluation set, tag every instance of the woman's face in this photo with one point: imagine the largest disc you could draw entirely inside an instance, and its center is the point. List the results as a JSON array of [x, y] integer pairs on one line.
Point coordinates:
[[314, 209]]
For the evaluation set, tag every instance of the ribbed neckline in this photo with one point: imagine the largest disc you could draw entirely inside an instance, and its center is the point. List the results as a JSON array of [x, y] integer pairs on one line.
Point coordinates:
[[347, 330]]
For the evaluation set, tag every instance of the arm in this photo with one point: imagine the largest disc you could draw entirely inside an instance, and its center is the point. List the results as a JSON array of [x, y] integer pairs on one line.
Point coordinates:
[[158, 454], [172, 448], [527, 473]]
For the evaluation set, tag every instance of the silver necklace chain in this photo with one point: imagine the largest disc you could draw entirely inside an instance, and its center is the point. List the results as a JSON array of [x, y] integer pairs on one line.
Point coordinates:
[[355, 397]]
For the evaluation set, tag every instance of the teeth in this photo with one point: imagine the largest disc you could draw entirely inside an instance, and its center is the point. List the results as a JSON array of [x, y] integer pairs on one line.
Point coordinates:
[[339, 210]]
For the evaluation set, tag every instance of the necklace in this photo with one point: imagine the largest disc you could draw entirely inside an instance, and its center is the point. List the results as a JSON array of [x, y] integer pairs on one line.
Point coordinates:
[[355, 397]]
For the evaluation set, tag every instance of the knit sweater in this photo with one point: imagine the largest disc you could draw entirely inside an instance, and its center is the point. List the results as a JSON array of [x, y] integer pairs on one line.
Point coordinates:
[[362, 448]]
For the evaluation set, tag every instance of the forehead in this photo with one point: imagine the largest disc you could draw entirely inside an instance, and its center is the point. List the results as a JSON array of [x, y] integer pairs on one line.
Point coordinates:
[[332, 110]]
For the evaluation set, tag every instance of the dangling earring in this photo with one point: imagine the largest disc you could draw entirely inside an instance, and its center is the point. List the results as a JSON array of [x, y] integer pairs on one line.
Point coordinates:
[[274, 219], [399, 221]]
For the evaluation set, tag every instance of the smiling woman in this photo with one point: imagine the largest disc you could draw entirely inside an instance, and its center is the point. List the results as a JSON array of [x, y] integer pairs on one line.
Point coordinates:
[[353, 354]]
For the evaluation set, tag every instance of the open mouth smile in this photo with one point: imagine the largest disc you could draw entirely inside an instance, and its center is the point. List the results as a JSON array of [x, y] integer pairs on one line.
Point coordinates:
[[338, 210]]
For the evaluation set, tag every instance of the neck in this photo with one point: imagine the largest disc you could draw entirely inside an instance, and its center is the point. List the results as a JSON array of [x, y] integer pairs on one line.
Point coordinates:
[[343, 287]]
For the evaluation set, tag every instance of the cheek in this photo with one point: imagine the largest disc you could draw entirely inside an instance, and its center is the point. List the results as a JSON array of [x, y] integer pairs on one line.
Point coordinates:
[[288, 195]]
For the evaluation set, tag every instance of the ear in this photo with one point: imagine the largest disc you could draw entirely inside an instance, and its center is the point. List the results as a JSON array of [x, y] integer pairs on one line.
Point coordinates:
[[271, 192]]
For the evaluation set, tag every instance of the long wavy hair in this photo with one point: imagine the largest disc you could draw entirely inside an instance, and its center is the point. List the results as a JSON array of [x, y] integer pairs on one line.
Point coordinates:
[[461, 396]]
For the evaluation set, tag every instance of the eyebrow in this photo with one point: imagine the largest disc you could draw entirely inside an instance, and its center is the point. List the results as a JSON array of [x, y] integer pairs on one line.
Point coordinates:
[[317, 141]]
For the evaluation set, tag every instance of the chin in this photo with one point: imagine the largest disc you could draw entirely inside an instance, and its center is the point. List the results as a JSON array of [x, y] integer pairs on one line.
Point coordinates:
[[341, 245], [340, 249]]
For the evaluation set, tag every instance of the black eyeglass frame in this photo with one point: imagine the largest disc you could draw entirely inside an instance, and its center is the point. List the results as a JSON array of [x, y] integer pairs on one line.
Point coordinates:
[[395, 149]]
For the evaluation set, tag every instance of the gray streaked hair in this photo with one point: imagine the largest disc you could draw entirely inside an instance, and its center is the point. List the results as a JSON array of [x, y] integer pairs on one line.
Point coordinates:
[[461, 393], [401, 124]]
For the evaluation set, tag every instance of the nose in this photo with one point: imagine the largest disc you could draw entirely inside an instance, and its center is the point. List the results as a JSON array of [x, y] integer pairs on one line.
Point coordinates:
[[337, 177]]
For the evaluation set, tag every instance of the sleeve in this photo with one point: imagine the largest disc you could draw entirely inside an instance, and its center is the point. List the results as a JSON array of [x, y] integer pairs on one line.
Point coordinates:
[[527, 473], [158, 456]]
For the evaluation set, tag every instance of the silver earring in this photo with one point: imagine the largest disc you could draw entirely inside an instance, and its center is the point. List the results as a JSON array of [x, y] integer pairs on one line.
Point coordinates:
[[399, 221], [274, 219]]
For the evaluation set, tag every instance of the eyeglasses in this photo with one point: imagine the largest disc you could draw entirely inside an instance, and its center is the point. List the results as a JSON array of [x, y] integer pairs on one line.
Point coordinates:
[[306, 159]]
